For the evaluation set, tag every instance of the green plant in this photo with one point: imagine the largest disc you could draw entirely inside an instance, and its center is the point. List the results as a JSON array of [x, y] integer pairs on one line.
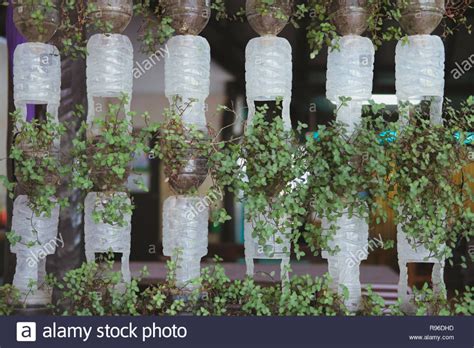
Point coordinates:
[[177, 143], [92, 289], [455, 17], [76, 19], [322, 31], [9, 299], [156, 26], [428, 302], [103, 152], [346, 171], [37, 164], [381, 12], [219, 296], [386, 11], [372, 304], [264, 167], [433, 208]]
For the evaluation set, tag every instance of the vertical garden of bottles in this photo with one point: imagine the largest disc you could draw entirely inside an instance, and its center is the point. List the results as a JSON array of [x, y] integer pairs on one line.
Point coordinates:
[[37, 81], [187, 79], [318, 192]]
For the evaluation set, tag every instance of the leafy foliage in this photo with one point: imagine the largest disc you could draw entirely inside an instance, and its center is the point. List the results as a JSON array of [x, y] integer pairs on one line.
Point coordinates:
[[433, 208], [263, 169], [428, 302], [346, 171], [177, 142], [9, 299], [93, 290], [156, 26], [103, 152], [37, 163]]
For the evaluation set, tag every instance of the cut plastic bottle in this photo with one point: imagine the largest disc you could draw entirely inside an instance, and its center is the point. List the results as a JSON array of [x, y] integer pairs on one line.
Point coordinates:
[[185, 236], [38, 239], [419, 72], [351, 239], [269, 74], [350, 74], [103, 238]]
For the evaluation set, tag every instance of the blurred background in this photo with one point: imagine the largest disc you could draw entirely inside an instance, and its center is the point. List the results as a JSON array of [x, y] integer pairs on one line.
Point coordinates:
[[309, 105]]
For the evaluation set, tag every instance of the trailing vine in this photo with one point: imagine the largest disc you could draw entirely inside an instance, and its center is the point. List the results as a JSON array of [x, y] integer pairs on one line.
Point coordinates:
[[37, 165], [433, 208], [103, 152], [347, 171]]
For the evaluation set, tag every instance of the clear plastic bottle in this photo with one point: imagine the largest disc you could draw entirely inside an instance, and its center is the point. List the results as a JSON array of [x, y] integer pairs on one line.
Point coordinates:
[[104, 238], [410, 252], [268, 77], [350, 73], [351, 239], [185, 236], [39, 238], [272, 250], [109, 71], [419, 72], [269, 73], [37, 77], [187, 77]]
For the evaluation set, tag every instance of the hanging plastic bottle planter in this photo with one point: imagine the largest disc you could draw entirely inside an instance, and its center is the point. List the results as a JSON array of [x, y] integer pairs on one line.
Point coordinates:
[[109, 78], [420, 61], [116, 13], [189, 17], [37, 81], [28, 27], [276, 248], [187, 80], [268, 75], [351, 65], [410, 252], [351, 239], [349, 75], [420, 77]]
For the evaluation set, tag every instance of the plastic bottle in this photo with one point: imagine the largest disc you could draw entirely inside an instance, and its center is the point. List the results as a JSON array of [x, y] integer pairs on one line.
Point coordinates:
[[410, 252], [269, 74], [185, 236], [351, 239], [276, 248], [350, 73], [37, 77], [187, 77], [39, 238], [102, 237], [419, 72], [109, 72]]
